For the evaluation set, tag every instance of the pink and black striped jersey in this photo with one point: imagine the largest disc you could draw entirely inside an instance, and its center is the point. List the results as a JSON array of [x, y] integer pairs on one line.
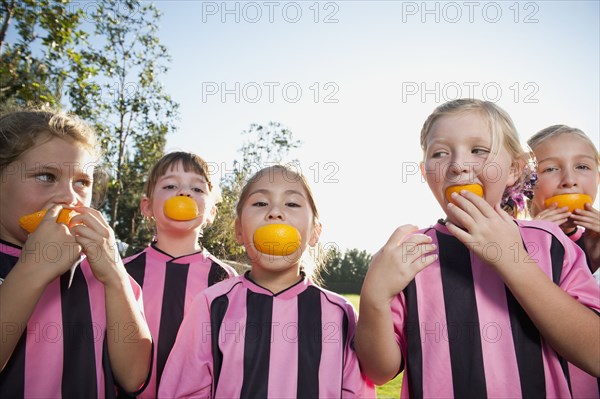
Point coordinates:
[[169, 285], [63, 350], [463, 334], [583, 385], [239, 340]]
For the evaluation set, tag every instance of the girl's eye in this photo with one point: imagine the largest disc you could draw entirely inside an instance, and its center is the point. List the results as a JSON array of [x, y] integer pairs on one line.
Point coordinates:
[[292, 205], [259, 203], [583, 167], [438, 154], [549, 169], [83, 183], [197, 190], [479, 151], [45, 177], [169, 187]]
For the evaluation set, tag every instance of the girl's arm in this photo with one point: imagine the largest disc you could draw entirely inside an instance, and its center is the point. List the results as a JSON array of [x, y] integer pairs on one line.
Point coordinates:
[[590, 219], [48, 253], [390, 271], [567, 325], [129, 339]]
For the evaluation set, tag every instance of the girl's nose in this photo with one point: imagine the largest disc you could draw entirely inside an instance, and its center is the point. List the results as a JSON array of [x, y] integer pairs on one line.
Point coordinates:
[[275, 213], [65, 194], [568, 179]]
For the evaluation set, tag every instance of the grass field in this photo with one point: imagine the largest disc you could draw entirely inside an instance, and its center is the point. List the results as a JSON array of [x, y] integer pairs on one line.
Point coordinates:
[[391, 390]]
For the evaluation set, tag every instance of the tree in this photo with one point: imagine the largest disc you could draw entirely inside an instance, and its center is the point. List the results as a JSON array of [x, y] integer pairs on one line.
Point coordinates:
[[346, 273], [130, 109], [266, 145], [43, 58]]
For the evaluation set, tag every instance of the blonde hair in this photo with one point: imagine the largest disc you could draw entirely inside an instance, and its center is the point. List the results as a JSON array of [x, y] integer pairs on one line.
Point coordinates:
[[22, 129], [190, 163], [312, 266], [557, 130], [501, 127]]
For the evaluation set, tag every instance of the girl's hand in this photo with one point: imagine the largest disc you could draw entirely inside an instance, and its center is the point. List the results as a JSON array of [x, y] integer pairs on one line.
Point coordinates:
[[98, 242], [588, 218], [51, 249], [484, 225], [554, 214], [396, 264]]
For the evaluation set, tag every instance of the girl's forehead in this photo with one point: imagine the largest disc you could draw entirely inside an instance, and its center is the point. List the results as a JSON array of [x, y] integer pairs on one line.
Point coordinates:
[[278, 181]]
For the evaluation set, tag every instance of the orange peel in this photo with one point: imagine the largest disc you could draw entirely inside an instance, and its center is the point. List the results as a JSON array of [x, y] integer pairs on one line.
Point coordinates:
[[572, 201], [181, 208], [474, 188], [277, 239], [32, 221]]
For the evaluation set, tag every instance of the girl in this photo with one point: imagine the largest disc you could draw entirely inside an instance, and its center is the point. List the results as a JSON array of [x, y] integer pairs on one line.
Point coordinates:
[[68, 325], [175, 267], [478, 305], [272, 332], [568, 162]]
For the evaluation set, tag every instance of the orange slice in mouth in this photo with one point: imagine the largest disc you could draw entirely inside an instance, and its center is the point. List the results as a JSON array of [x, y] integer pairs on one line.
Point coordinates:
[[573, 201], [181, 208], [277, 239], [474, 188], [32, 221]]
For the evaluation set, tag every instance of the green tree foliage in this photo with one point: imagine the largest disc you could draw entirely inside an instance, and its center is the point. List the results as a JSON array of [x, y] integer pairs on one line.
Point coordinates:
[[264, 146], [43, 58], [129, 108], [345, 273]]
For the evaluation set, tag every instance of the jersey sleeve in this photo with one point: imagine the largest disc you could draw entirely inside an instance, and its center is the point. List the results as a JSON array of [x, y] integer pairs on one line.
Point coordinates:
[[189, 368], [576, 278], [398, 316], [355, 383]]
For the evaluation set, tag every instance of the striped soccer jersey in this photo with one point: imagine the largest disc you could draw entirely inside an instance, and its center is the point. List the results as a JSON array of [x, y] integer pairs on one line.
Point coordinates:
[[63, 350], [239, 340], [583, 385], [170, 284], [463, 334]]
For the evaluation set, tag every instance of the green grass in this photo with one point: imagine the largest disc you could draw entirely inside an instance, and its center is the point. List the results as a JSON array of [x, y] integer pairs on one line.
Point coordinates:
[[391, 390]]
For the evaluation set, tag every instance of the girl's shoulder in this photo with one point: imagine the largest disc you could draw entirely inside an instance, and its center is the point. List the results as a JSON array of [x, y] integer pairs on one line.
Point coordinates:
[[335, 298]]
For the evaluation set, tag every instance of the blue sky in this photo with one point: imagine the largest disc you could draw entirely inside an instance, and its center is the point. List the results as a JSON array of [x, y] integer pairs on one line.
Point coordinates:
[[355, 80]]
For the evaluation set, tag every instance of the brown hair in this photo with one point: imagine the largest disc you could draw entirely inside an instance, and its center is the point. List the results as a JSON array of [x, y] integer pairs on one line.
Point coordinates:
[[22, 129], [190, 162]]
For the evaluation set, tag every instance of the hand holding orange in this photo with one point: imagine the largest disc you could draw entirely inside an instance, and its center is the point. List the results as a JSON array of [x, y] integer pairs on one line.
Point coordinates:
[[573, 201], [181, 208], [32, 221], [474, 188], [277, 239]]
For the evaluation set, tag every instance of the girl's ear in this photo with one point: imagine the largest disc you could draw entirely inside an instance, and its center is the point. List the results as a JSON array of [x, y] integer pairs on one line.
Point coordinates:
[[146, 207], [238, 232], [516, 170], [316, 234]]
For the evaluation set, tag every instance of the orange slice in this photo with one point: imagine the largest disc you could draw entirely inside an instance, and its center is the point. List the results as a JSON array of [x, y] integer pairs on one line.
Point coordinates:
[[573, 201], [474, 188], [32, 221], [181, 208], [277, 239]]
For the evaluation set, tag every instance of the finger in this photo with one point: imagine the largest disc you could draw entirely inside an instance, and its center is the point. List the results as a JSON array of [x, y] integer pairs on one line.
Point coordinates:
[[424, 261], [464, 203], [460, 216], [457, 232], [411, 253], [484, 208], [502, 213], [398, 235], [590, 207]]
